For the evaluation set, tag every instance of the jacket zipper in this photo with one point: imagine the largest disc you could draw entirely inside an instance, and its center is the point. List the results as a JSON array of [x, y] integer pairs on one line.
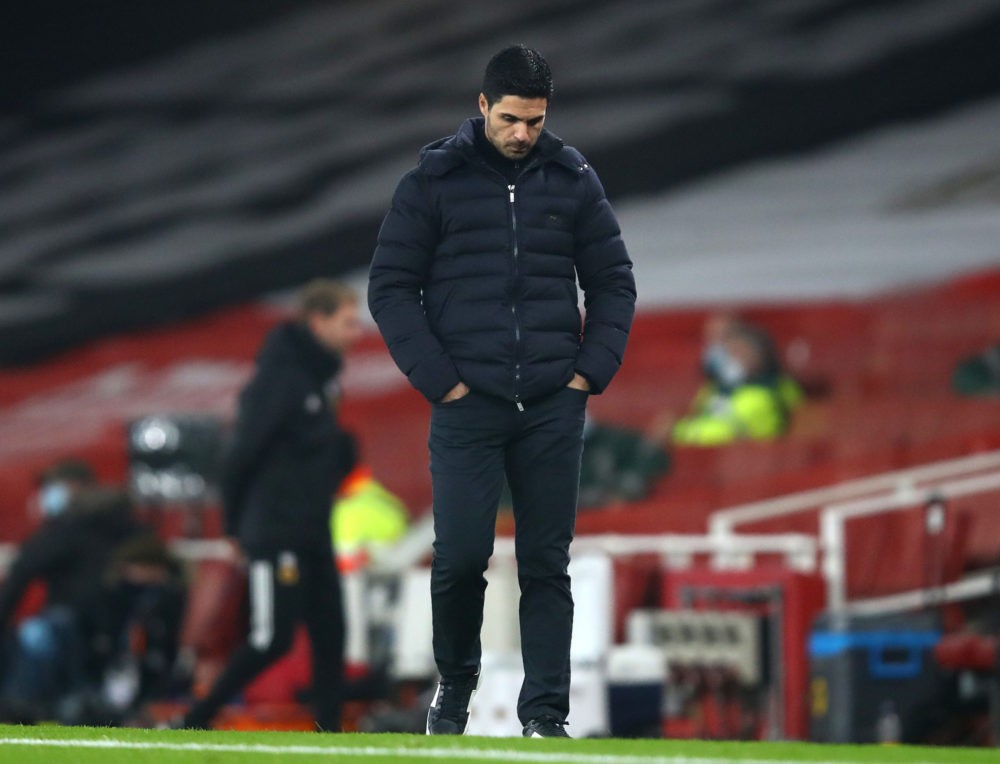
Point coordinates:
[[513, 305]]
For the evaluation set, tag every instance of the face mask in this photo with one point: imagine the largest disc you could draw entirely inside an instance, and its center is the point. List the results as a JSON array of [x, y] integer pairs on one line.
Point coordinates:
[[731, 372], [712, 359], [53, 499]]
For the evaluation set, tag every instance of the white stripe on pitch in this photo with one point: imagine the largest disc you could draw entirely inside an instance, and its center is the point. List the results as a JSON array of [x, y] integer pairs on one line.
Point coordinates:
[[410, 753]]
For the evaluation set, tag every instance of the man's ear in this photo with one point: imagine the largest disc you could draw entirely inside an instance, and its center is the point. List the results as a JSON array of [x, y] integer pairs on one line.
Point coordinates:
[[484, 106]]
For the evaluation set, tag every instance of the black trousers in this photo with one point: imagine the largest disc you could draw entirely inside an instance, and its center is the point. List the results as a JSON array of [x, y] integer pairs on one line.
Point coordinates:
[[474, 442], [288, 587]]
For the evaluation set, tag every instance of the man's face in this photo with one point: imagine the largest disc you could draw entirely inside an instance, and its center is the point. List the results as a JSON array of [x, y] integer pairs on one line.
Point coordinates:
[[513, 124], [339, 330]]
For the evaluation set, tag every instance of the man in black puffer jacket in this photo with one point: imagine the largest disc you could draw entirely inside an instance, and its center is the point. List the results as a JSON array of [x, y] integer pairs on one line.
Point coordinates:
[[473, 286], [287, 457]]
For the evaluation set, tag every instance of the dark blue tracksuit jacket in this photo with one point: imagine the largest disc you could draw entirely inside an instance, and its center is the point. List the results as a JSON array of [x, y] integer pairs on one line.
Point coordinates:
[[474, 277]]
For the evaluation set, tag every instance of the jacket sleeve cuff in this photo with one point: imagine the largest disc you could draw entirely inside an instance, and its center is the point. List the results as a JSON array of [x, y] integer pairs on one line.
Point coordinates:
[[434, 377], [599, 375]]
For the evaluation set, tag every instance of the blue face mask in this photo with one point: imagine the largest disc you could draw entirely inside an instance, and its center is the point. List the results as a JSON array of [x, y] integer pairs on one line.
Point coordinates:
[[732, 373], [53, 499], [712, 360]]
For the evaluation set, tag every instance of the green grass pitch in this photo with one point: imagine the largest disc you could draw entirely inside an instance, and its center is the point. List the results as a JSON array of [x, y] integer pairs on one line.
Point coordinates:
[[83, 745]]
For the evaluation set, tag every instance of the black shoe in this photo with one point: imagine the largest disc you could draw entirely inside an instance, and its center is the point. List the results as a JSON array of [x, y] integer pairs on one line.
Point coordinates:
[[449, 711], [545, 726]]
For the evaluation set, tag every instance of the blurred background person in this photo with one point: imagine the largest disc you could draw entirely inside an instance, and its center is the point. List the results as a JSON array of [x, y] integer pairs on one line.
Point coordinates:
[[978, 374], [60, 484], [287, 457], [69, 553], [618, 464], [745, 396], [366, 521], [136, 643], [368, 524]]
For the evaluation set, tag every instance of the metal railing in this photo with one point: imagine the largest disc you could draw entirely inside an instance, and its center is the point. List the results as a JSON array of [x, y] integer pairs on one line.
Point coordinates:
[[800, 550], [834, 517], [897, 482]]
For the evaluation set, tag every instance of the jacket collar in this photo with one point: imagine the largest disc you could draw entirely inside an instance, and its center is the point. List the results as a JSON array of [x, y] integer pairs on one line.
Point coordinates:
[[292, 343], [446, 154]]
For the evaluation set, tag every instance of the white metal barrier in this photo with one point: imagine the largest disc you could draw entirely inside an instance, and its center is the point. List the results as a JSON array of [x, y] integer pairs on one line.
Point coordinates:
[[900, 483], [887, 492], [677, 550], [834, 517], [982, 584]]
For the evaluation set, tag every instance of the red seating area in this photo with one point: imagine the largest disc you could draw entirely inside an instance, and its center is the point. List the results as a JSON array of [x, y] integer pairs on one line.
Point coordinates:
[[879, 377], [877, 373], [968, 651], [892, 552]]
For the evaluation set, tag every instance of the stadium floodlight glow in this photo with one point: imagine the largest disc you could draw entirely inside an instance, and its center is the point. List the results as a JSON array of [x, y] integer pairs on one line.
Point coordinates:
[[154, 434], [174, 458]]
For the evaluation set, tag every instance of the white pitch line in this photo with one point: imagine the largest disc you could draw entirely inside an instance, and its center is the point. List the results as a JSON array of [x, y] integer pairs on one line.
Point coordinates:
[[413, 753]]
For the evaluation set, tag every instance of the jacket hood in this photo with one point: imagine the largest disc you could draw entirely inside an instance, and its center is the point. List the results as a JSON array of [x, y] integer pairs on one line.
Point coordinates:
[[292, 343], [445, 154]]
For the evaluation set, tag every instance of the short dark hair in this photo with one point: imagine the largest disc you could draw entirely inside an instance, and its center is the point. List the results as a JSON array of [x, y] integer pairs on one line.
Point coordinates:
[[325, 296], [517, 71], [70, 470]]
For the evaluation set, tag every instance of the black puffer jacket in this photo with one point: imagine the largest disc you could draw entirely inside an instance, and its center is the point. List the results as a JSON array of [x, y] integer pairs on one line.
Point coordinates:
[[287, 454], [474, 280]]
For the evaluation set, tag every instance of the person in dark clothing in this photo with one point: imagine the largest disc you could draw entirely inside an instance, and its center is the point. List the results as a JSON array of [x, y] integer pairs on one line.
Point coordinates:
[[473, 287], [145, 593], [978, 374], [61, 483], [69, 554], [617, 465], [287, 456]]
